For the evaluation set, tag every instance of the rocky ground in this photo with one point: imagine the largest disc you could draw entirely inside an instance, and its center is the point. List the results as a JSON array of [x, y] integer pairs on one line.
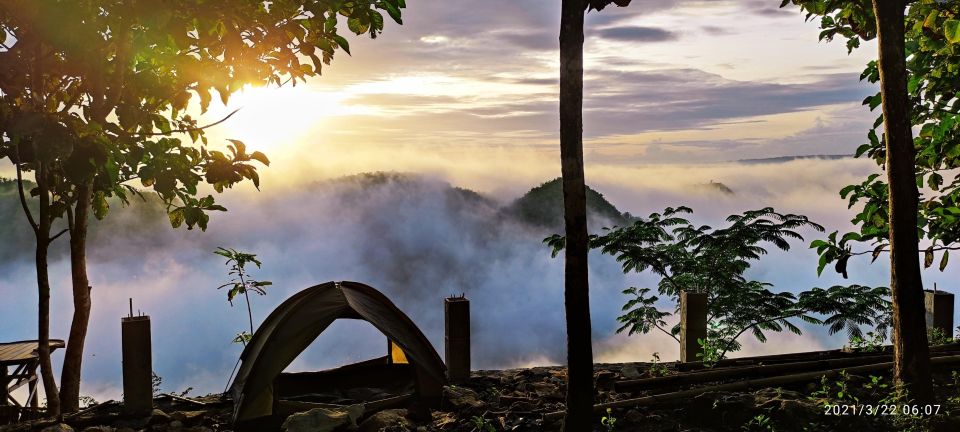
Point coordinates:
[[517, 400]]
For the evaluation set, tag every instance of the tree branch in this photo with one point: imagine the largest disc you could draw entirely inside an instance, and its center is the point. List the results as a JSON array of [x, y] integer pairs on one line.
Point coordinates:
[[59, 234], [729, 344], [187, 130], [23, 197], [668, 333]]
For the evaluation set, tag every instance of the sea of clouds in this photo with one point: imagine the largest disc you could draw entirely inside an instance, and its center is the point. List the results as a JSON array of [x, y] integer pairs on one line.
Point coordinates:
[[417, 242]]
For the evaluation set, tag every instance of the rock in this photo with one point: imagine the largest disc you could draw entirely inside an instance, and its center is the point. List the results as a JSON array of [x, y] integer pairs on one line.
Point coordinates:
[[158, 417], [633, 416], [442, 419], [630, 372], [323, 420], [720, 408], [176, 424], [461, 398], [387, 418], [605, 379], [188, 417], [792, 411], [546, 390], [522, 406], [99, 429], [58, 428]]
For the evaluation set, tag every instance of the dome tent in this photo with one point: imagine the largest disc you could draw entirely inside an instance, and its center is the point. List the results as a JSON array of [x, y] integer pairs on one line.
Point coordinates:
[[297, 322]]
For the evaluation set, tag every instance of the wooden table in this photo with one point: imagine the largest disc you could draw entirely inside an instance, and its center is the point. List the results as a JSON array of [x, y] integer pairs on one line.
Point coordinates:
[[23, 357]]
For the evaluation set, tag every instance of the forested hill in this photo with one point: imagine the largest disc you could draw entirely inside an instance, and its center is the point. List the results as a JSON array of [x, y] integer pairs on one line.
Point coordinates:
[[543, 206]]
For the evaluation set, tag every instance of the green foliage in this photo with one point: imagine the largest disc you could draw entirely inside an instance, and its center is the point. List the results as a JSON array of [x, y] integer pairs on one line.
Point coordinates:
[[241, 283], [609, 421], [834, 391], [878, 389], [714, 261], [933, 55], [657, 369], [156, 381], [242, 338], [641, 314], [873, 342], [711, 351], [600, 4], [543, 206], [481, 424], [936, 336], [955, 397], [94, 92], [759, 423]]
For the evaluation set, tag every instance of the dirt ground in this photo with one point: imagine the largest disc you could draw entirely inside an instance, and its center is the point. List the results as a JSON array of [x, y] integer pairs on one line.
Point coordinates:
[[521, 400]]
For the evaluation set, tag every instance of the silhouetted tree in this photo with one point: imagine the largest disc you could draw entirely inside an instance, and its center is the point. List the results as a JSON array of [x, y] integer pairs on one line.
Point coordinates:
[[91, 91], [885, 20], [576, 289]]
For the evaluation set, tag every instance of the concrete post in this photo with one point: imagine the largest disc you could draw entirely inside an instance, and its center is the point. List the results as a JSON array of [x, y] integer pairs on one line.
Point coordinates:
[[137, 365], [939, 307], [693, 324], [456, 312]]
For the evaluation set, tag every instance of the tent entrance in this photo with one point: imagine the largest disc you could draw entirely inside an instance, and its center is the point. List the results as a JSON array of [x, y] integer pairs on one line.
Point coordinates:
[[367, 381]]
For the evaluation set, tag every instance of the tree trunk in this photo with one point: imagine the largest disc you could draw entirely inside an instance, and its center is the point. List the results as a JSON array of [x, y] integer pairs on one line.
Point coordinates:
[[579, 414], [73, 359], [44, 222], [910, 352]]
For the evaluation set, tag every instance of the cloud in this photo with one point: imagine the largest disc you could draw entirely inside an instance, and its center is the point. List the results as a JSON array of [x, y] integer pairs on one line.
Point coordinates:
[[638, 34], [417, 243]]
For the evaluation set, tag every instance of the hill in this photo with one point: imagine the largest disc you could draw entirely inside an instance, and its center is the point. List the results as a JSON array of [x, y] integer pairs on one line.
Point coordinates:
[[785, 159], [543, 206]]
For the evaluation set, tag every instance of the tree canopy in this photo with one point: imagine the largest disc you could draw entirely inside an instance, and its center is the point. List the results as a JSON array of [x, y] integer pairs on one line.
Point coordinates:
[[933, 64]]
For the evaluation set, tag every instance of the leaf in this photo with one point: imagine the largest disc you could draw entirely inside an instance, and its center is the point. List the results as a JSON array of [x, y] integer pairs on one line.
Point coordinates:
[[943, 260], [357, 26], [100, 205], [177, 219], [260, 157], [841, 265], [928, 257], [393, 11], [342, 42], [951, 29]]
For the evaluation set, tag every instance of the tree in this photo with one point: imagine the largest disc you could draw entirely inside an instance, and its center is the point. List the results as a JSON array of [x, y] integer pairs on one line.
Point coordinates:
[[242, 283], [885, 20], [714, 261], [579, 413], [90, 94]]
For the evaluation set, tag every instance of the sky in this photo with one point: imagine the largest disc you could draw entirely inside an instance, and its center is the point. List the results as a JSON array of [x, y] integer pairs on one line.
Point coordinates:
[[458, 92], [676, 92]]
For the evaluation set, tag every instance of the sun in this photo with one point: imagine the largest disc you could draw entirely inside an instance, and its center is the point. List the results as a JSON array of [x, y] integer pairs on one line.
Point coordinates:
[[271, 118]]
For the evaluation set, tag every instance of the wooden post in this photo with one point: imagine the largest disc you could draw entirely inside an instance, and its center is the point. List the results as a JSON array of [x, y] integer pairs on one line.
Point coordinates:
[[939, 308], [693, 324], [4, 384], [457, 338], [33, 399], [137, 365]]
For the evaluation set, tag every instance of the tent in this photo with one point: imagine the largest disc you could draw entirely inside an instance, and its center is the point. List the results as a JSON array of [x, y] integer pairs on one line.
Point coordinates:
[[297, 322]]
